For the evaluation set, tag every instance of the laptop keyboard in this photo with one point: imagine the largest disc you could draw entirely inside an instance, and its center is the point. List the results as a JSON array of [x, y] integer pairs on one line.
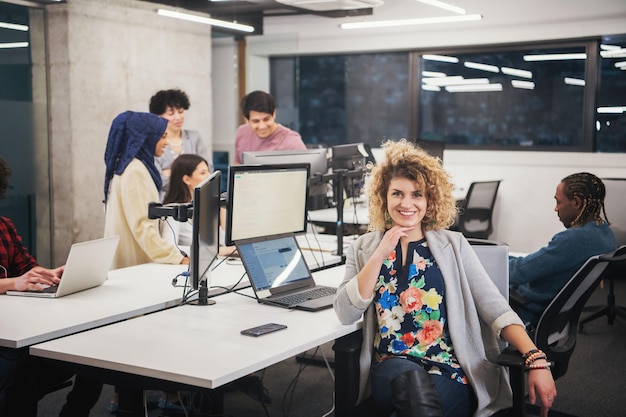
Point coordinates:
[[48, 290], [303, 296]]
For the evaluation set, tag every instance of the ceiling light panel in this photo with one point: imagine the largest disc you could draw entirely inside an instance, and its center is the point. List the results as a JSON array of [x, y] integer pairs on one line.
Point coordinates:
[[444, 6], [410, 22]]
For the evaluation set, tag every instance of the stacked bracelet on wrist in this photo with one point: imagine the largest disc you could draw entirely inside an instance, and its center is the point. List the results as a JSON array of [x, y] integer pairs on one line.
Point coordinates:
[[532, 366], [534, 355]]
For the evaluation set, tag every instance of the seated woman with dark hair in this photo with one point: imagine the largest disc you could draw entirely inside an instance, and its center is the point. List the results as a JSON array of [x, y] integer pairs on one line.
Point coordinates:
[[187, 172]]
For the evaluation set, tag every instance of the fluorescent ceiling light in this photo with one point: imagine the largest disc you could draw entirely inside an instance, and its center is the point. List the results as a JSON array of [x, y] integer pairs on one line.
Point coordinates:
[[456, 80], [574, 81], [433, 74], [13, 26], [614, 53], [555, 57], [516, 72], [613, 110], [473, 88], [621, 65], [443, 5], [206, 20], [609, 47], [481, 67], [410, 22], [430, 87], [12, 45], [329, 5], [526, 85], [440, 58]]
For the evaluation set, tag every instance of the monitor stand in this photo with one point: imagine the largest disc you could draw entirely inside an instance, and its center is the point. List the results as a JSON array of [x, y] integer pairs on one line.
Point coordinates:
[[203, 295]]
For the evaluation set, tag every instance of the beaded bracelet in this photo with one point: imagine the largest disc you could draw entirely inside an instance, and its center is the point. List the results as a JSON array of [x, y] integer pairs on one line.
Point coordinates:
[[530, 352], [538, 366], [534, 357]]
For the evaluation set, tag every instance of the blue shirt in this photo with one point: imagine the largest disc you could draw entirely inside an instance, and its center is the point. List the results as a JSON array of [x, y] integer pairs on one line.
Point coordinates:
[[541, 275]]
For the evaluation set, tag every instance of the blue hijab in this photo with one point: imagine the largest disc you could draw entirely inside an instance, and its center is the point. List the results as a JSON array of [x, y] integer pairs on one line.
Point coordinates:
[[133, 135]]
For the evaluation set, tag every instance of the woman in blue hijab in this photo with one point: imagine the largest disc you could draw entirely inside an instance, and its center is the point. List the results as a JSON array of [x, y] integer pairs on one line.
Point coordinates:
[[131, 182]]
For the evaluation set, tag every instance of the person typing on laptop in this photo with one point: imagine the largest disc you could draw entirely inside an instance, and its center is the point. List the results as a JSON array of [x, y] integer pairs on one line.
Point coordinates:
[[25, 379]]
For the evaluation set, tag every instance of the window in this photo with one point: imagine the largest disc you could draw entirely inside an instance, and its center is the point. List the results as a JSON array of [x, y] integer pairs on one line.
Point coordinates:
[[526, 98], [611, 110], [536, 97], [343, 98]]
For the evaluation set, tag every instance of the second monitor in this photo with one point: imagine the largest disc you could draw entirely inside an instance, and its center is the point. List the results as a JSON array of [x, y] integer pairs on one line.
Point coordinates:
[[318, 160]]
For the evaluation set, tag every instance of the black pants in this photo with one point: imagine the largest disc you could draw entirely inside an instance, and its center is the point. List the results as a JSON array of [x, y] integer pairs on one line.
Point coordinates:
[[25, 379]]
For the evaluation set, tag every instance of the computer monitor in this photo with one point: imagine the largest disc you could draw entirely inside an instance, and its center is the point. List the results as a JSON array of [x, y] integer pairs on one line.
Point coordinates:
[[205, 232], [265, 200], [351, 157], [317, 158], [433, 147]]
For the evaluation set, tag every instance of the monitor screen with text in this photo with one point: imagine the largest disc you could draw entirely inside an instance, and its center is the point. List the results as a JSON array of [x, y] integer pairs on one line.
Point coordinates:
[[265, 200]]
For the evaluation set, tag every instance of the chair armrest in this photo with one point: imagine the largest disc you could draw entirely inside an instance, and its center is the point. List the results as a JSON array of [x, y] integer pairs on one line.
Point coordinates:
[[512, 358]]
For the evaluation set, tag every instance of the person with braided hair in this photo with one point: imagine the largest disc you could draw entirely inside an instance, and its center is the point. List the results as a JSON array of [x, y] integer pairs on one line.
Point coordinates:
[[539, 276]]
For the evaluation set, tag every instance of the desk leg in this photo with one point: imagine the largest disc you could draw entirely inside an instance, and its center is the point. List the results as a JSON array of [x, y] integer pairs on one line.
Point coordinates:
[[130, 403]]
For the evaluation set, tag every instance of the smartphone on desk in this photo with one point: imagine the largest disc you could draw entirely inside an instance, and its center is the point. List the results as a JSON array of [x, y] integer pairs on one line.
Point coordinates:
[[263, 329]]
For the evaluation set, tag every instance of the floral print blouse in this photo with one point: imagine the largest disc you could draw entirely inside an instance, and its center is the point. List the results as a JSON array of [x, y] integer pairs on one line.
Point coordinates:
[[411, 312]]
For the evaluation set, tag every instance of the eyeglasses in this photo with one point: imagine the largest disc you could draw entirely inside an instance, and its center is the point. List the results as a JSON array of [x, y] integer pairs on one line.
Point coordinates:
[[6, 273]]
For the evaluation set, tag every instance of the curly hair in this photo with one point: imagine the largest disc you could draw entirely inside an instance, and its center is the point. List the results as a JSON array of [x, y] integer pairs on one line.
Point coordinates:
[[591, 191], [404, 159], [5, 173], [175, 99]]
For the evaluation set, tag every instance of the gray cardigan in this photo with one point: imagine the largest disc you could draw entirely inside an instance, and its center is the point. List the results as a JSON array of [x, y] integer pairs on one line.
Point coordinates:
[[477, 312]]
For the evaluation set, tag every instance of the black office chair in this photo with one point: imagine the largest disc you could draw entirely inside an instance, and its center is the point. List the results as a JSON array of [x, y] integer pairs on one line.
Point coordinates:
[[557, 328], [476, 210], [614, 204]]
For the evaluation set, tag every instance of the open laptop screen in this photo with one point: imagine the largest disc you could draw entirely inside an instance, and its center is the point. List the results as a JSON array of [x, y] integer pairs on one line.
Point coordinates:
[[273, 262]]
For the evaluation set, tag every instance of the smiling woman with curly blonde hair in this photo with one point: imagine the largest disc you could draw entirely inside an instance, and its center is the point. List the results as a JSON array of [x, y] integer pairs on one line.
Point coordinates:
[[431, 314], [404, 159]]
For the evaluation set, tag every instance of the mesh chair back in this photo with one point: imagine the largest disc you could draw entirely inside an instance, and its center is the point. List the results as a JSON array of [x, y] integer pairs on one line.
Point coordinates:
[[476, 214], [557, 328]]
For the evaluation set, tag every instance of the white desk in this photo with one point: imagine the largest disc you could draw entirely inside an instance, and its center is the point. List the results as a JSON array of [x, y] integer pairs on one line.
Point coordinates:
[[201, 346], [128, 292]]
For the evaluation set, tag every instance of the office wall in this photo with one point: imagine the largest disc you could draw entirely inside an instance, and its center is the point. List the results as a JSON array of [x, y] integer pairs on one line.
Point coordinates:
[[524, 215], [106, 58], [225, 94]]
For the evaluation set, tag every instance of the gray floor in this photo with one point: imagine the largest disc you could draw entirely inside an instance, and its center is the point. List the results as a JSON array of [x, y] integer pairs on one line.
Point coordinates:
[[592, 387]]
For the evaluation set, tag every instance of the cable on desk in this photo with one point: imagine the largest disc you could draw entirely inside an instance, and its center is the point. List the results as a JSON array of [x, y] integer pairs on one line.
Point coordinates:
[[175, 240]]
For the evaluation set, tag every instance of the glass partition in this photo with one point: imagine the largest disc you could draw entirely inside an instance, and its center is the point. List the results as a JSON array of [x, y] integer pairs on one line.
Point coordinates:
[[520, 98], [611, 109]]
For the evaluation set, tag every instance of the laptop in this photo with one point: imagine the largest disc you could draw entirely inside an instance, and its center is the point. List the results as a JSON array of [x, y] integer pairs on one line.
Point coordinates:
[[87, 266], [279, 274]]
